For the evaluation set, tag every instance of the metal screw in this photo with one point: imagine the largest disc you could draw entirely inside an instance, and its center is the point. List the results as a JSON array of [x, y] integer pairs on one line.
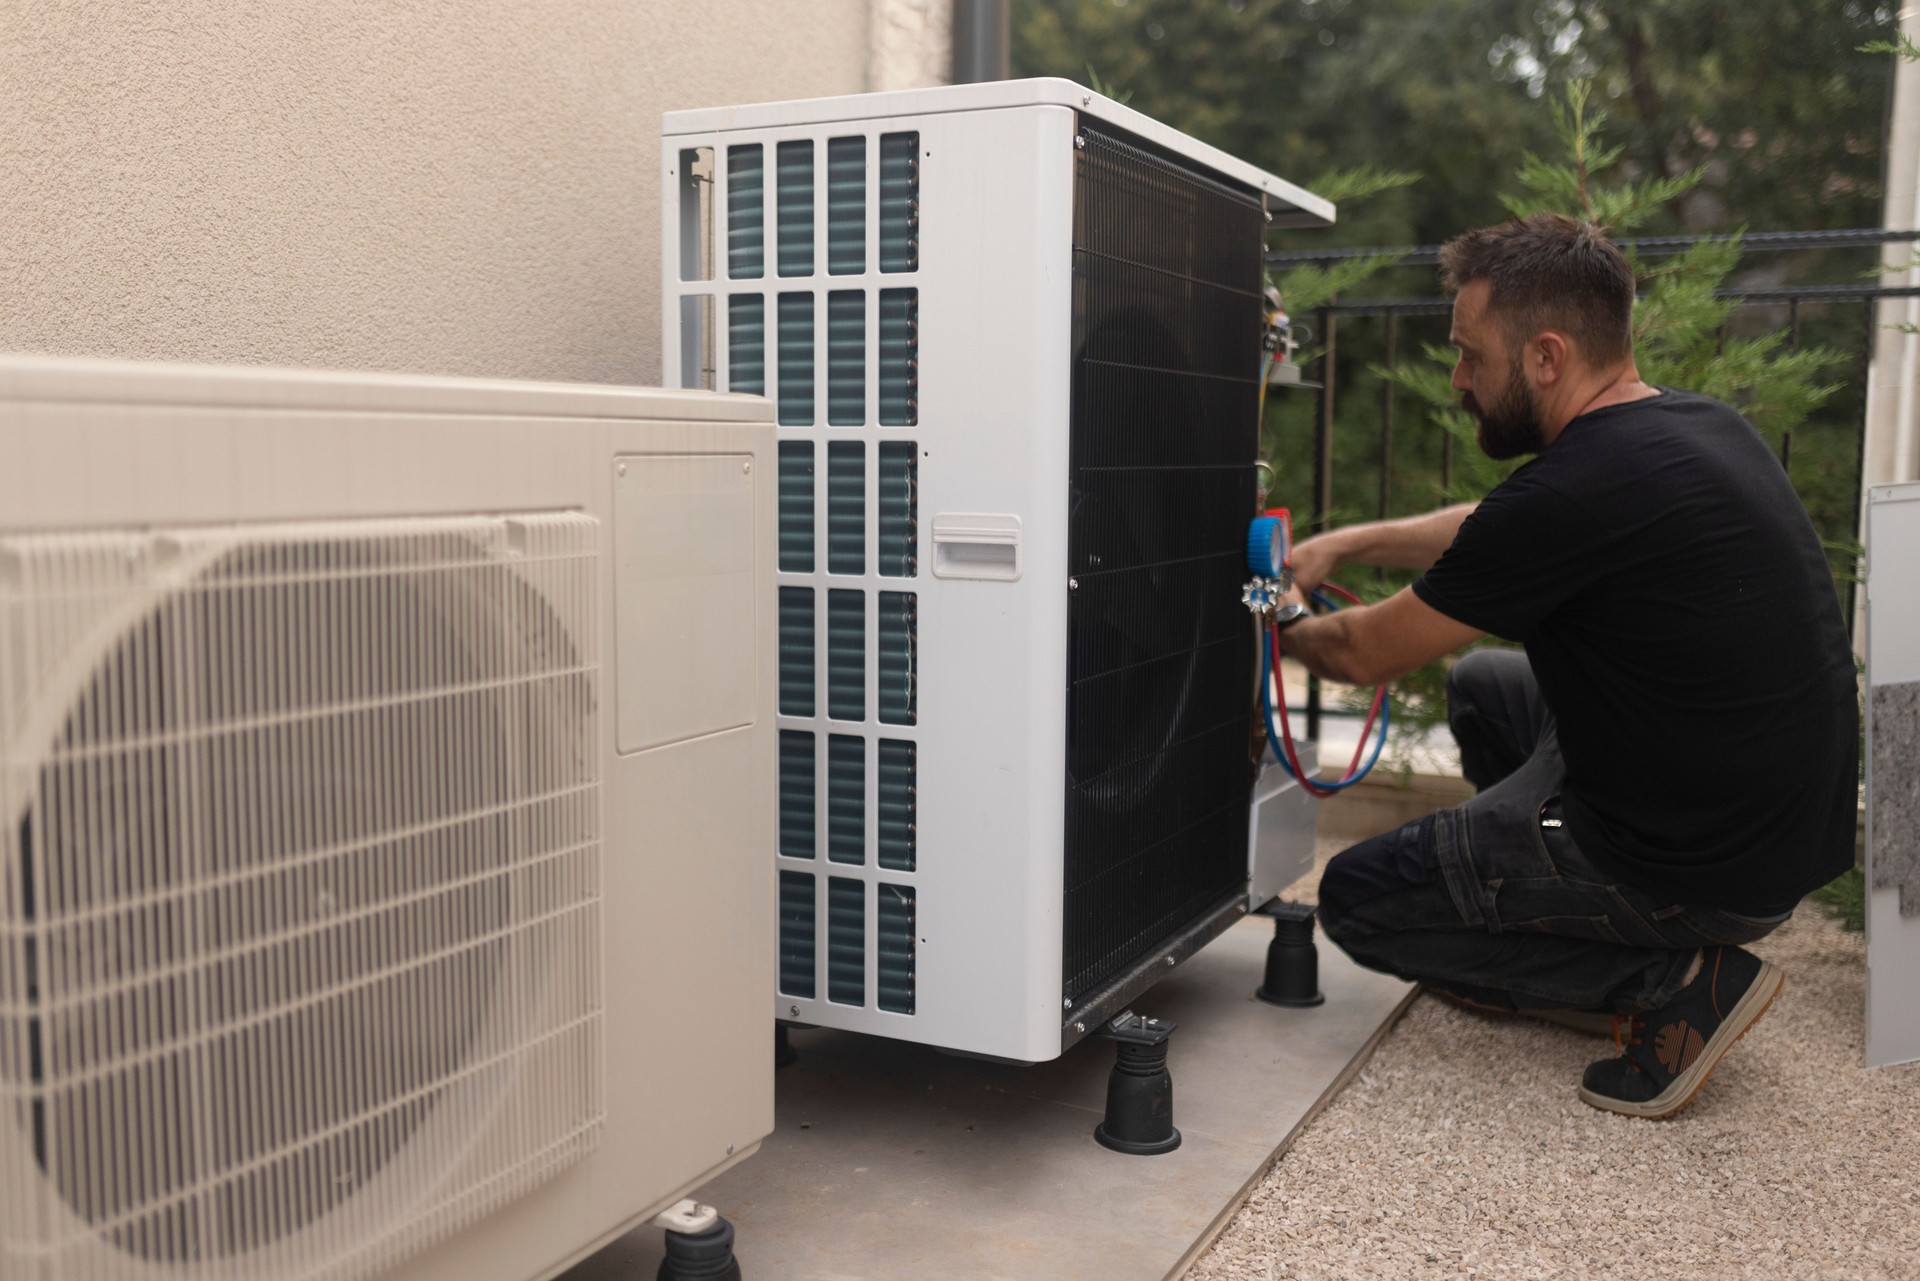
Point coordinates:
[[793, 1011], [1079, 1027], [621, 470], [1073, 584], [1169, 962], [1079, 142], [746, 467], [1068, 1003], [1269, 215], [1086, 100], [729, 1149]]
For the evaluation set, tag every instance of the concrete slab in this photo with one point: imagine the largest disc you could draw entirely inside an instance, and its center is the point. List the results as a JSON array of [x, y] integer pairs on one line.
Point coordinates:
[[891, 1160]]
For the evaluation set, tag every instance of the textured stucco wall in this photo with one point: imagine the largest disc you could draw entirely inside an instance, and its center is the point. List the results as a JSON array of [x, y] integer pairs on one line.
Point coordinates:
[[420, 185], [912, 44]]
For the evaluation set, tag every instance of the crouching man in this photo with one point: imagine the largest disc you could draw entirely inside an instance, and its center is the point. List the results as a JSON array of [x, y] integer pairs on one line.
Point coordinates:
[[1671, 763]]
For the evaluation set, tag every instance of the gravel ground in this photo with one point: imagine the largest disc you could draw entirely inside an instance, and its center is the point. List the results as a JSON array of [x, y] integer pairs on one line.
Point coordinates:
[[1462, 1151]]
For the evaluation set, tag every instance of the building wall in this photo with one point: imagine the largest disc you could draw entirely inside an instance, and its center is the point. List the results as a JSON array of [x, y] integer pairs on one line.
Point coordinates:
[[436, 186], [912, 44]]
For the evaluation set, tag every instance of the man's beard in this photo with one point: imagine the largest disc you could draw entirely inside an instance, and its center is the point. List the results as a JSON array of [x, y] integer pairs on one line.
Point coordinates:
[[1509, 427]]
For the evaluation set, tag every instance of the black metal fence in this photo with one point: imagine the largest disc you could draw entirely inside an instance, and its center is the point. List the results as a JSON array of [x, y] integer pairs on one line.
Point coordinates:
[[1380, 332]]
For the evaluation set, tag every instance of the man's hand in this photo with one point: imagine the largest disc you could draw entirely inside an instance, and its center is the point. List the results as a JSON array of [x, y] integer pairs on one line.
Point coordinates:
[[1316, 560]]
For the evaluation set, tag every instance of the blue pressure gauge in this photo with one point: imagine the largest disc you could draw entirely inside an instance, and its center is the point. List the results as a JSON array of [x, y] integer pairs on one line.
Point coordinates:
[[1267, 548]]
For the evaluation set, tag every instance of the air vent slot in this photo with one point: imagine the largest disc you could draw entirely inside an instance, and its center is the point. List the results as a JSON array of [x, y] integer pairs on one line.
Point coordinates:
[[796, 794], [898, 640], [894, 926], [846, 798], [899, 524], [846, 206], [846, 941], [796, 508], [796, 360], [793, 207], [796, 934], [899, 357], [898, 797], [847, 655], [900, 202], [846, 507], [796, 651], [746, 213], [747, 344], [846, 358]]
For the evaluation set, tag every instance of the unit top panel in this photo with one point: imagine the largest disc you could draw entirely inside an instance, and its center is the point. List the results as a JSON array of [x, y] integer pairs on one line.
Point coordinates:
[[1291, 206], [68, 380]]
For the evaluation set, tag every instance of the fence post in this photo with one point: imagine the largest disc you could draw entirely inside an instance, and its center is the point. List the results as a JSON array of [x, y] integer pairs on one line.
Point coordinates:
[[1322, 480], [1386, 418]]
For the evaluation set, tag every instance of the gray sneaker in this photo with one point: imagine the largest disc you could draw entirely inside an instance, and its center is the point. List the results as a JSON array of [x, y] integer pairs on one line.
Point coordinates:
[[1667, 1054]]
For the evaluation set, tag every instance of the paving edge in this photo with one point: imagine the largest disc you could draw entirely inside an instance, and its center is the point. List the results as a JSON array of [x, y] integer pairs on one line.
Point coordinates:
[[1361, 1058]]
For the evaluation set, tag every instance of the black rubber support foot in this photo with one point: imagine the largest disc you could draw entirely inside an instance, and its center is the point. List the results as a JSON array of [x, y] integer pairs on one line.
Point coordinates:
[[1293, 966], [784, 1054], [1139, 1118], [700, 1256]]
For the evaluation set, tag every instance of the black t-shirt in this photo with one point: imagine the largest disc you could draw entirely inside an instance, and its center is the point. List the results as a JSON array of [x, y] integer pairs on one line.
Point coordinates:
[[1683, 625]]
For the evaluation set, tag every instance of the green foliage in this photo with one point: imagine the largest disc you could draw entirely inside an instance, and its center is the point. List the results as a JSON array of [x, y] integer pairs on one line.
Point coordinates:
[[1845, 899], [1306, 287], [1453, 89], [1568, 187], [1312, 284], [1359, 182], [1680, 323], [1902, 47], [1105, 90]]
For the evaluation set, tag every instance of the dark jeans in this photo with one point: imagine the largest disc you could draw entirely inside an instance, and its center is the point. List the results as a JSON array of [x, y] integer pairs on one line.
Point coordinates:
[[1484, 901]]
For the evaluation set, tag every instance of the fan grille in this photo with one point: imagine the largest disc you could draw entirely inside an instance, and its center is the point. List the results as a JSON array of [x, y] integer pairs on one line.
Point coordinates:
[[299, 889], [1166, 265]]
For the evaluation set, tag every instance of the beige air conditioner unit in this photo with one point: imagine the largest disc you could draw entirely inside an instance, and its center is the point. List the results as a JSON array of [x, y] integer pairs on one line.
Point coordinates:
[[385, 786]]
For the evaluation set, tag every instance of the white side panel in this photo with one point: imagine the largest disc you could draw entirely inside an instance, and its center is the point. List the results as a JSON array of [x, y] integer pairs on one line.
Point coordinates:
[[683, 591], [996, 318], [685, 891], [1281, 828], [1893, 657]]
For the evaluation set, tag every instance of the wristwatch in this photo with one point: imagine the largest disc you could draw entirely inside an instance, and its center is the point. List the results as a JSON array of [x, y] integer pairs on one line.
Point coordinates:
[[1287, 615]]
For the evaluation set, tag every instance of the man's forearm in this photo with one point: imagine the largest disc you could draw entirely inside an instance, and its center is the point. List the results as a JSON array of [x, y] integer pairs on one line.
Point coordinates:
[[1414, 542], [1323, 646]]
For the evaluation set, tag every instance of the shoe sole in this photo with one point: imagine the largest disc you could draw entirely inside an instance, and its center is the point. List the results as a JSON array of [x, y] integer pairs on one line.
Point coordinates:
[[1757, 1000]]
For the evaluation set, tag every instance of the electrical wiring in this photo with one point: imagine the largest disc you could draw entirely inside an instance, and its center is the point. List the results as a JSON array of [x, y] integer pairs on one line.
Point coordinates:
[[1281, 736]]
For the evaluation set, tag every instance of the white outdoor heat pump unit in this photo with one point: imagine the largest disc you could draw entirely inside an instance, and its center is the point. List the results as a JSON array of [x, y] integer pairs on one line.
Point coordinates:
[[1013, 333], [385, 776]]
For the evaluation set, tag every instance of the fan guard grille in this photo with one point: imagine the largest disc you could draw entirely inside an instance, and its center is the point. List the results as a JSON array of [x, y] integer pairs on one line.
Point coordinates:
[[1166, 315], [299, 890]]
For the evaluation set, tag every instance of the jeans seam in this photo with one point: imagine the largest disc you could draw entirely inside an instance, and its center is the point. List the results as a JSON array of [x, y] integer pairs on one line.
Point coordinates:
[[1450, 851]]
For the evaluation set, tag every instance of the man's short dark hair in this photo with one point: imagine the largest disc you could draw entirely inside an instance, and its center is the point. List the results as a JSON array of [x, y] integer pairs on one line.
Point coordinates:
[[1549, 271]]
